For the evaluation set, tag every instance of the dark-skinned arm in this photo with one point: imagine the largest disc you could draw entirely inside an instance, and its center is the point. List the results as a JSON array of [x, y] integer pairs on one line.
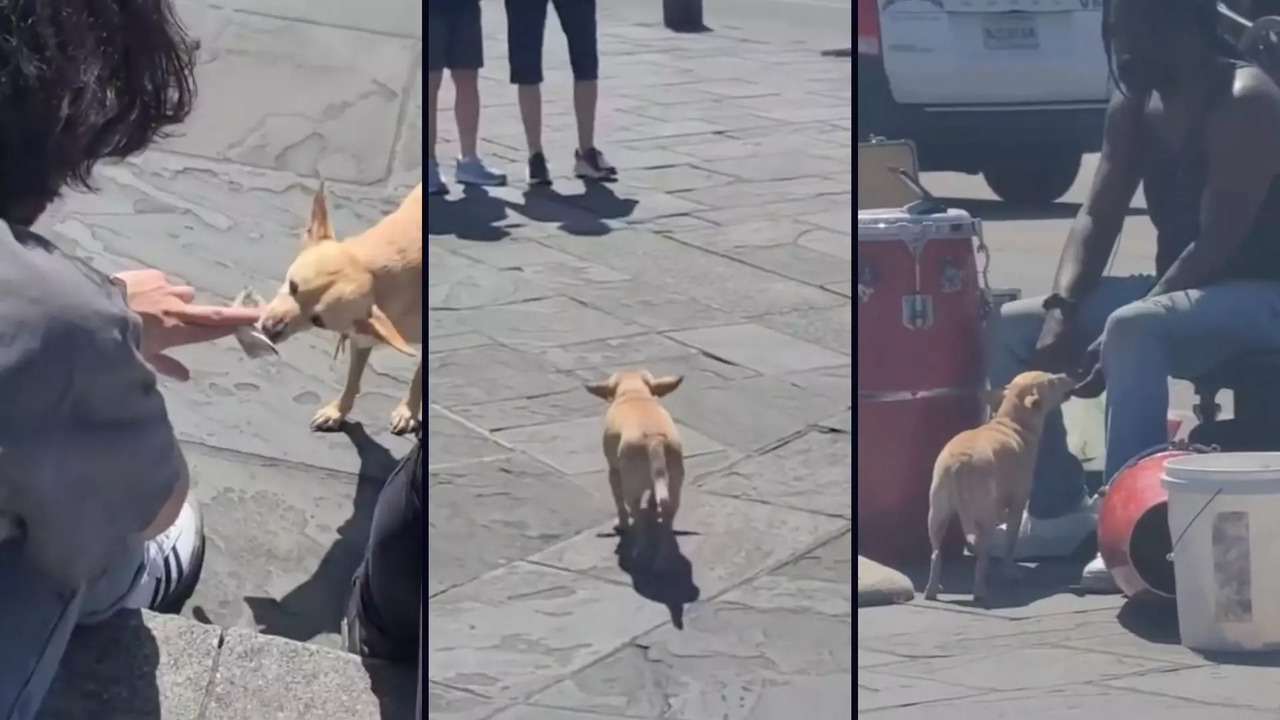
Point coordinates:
[[1243, 148], [1097, 225]]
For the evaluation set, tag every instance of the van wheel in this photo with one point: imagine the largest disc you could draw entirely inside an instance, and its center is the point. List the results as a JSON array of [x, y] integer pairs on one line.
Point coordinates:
[[1033, 176]]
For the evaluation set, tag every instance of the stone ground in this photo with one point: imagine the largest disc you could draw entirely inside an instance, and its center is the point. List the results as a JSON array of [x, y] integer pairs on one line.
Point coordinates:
[[724, 254]]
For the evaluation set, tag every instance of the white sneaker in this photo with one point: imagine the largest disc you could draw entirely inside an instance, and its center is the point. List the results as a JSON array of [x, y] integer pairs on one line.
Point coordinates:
[[473, 171], [1058, 537], [172, 566], [1096, 578]]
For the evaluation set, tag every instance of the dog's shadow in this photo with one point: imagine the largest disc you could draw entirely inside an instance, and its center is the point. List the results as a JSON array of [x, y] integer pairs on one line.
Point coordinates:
[[672, 586], [1030, 583]]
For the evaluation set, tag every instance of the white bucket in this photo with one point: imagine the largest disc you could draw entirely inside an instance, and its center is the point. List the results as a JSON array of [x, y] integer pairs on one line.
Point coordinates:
[[1224, 519]]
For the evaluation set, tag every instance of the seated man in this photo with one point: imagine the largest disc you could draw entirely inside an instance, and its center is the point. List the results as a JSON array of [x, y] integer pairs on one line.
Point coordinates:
[[1199, 129]]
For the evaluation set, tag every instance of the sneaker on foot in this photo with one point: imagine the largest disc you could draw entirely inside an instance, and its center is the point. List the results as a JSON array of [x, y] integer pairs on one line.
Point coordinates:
[[473, 171], [1052, 538], [1096, 578], [590, 164], [173, 561], [538, 173], [435, 183]]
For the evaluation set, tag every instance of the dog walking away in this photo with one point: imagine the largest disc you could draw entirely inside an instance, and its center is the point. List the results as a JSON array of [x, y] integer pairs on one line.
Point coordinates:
[[646, 461], [368, 289], [984, 474]]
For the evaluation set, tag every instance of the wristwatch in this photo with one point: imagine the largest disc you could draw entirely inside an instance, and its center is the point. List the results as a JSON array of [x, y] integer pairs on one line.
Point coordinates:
[[1062, 304]]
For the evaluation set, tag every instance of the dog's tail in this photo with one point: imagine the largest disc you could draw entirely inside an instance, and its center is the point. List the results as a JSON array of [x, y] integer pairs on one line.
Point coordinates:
[[661, 480]]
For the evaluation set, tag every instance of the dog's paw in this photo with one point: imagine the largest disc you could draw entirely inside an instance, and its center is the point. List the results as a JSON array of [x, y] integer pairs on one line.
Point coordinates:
[[404, 420], [328, 419]]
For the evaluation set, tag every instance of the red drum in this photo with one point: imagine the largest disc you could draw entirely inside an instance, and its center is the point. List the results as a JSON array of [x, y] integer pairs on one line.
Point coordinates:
[[920, 372], [1133, 525]]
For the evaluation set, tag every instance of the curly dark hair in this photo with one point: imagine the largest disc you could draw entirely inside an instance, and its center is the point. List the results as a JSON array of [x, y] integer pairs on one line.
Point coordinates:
[[80, 81], [1200, 15]]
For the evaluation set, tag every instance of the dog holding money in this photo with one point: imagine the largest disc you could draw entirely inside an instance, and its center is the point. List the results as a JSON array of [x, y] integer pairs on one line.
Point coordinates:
[[368, 289]]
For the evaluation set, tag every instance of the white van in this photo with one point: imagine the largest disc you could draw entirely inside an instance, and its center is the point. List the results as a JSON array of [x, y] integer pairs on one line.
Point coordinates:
[[1013, 89]]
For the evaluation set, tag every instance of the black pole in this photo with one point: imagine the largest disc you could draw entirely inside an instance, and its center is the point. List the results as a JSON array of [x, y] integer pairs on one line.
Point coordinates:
[[683, 15]]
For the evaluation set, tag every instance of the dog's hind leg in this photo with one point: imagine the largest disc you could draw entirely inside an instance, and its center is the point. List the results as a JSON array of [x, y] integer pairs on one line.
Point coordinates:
[[939, 519], [619, 503], [330, 417], [405, 416], [1014, 515], [981, 538]]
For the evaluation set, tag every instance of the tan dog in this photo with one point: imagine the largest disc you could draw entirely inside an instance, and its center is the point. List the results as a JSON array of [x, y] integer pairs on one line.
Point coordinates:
[[642, 447], [367, 288], [984, 474]]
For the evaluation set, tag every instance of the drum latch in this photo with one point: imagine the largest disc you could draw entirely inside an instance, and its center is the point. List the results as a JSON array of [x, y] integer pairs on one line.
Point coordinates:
[[867, 278], [917, 311]]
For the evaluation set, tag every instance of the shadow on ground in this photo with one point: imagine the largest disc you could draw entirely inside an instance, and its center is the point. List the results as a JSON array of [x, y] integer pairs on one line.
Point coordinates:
[[672, 586], [582, 214], [1031, 583], [1001, 210], [474, 216], [92, 675], [1157, 622], [316, 606]]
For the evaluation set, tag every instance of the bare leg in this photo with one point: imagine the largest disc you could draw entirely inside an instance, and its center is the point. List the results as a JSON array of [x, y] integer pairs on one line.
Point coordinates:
[[329, 418], [433, 103], [585, 97], [466, 109], [530, 99], [404, 418]]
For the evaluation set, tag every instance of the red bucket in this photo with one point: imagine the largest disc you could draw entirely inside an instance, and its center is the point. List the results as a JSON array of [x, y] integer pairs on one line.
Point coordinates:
[[1133, 525]]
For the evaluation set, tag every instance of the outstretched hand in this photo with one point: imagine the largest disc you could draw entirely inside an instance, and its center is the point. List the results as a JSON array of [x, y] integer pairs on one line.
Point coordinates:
[[1093, 384], [169, 319]]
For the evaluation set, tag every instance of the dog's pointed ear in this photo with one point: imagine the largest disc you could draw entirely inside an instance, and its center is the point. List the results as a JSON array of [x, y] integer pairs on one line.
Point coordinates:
[[1032, 400], [320, 229], [604, 389], [377, 325], [665, 385]]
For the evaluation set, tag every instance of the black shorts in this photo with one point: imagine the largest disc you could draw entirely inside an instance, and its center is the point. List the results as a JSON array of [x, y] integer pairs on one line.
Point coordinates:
[[526, 27], [455, 39]]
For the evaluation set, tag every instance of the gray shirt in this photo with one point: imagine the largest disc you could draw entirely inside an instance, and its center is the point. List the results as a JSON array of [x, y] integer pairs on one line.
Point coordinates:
[[87, 454]]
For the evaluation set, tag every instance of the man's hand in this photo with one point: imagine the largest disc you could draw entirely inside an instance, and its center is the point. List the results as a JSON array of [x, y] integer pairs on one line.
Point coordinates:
[[170, 320], [1055, 350], [1094, 383]]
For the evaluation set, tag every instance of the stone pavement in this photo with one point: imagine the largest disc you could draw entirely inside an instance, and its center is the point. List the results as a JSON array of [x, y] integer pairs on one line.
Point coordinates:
[[724, 254], [1046, 653]]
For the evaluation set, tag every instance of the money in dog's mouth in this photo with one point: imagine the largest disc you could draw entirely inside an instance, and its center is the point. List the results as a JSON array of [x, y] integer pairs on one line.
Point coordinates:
[[253, 341]]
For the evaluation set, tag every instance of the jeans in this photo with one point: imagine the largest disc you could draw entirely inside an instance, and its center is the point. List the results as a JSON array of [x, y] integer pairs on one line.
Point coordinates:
[[1145, 342], [36, 620]]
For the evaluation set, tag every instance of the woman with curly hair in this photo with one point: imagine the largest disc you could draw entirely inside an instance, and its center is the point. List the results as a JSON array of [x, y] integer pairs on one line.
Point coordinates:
[[93, 485]]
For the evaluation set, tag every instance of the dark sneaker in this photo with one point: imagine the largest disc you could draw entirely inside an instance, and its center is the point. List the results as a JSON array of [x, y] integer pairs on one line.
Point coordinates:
[[591, 165], [539, 175]]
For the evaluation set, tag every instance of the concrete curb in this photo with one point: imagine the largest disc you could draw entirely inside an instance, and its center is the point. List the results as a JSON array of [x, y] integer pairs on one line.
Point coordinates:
[[164, 667], [880, 585]]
